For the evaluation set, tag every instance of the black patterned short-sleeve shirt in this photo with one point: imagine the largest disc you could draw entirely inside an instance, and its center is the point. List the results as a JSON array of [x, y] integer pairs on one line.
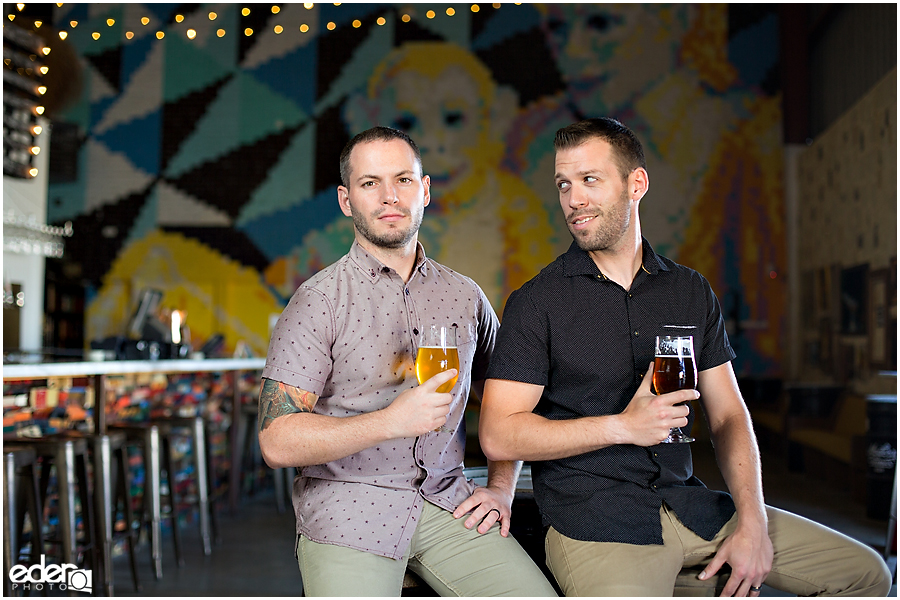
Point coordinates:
[[350, 335], [589, 342]]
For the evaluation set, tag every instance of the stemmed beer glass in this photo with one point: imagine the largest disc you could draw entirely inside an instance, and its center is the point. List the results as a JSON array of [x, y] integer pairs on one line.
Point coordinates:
[[674, 369], [437, 353]]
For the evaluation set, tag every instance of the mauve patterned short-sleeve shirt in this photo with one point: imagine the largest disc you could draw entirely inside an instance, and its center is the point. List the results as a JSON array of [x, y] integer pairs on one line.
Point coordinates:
[[350, 335]]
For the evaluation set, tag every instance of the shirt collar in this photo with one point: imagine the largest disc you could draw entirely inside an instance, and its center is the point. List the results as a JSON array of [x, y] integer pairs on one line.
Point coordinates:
[[578, 262], [374, 268]]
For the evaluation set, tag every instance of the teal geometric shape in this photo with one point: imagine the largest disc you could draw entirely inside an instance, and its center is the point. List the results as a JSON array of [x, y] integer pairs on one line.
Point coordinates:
[[145, 222], [224, 50], [264, 110], [244, 112], [455, 29], [356, 71], [188, 68], [215, 134], [288, 182], [110, 37]]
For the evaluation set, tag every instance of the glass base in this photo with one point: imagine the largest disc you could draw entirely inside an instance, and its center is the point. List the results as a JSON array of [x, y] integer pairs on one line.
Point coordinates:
[[676, 436]]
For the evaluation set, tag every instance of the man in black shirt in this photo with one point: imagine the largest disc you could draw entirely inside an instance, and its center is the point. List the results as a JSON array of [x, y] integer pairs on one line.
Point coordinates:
[[569, 389]]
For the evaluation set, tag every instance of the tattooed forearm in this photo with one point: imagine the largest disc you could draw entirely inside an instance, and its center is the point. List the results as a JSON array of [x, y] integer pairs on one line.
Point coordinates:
[[277, 399]]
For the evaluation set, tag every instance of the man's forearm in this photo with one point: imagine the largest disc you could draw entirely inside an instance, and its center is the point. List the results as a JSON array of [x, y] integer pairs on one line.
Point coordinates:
[[291, 435], [738, 457], [503, 475]]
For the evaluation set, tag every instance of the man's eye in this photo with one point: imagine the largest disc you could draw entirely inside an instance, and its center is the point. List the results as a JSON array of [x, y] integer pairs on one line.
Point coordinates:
[[405, 180], [368, 184], [589, 179], [562, 185]]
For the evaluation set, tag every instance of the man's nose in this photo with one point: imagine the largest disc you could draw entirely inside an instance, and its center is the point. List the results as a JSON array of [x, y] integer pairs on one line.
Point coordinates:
[[577, 199], [389, 194]]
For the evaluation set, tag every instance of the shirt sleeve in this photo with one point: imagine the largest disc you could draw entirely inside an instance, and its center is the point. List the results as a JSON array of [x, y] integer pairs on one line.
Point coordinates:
[[487, 325], [300, 350], [717, 349], [522, 350]]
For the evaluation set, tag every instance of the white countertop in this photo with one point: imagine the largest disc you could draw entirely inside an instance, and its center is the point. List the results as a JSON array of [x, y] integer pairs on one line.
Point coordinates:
[[121, 367]]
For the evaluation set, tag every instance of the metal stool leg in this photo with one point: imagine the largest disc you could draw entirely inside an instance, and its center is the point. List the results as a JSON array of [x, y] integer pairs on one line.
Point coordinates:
[[123, 493], [169, 461], [64, 461], [10, 518], [198, 433], [104, 508]]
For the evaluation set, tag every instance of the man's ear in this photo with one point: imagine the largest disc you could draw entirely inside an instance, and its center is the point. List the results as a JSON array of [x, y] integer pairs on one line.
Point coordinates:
[[638, 183], [344, 200]]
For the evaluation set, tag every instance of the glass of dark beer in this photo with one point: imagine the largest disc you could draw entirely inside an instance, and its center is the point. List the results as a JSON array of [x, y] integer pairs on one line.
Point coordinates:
[[674, 369]]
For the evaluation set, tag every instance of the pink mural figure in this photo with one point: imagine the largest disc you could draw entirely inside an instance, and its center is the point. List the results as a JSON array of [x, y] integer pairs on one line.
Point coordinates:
[[713, 144], [490, 224]]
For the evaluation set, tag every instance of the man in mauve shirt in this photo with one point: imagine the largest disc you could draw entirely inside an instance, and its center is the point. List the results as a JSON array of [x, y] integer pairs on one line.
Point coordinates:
[[569, 389], [380, 483]]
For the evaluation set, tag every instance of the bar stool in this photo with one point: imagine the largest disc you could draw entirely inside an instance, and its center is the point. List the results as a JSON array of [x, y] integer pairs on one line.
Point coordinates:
[[156, 439], [196, 430], [69, 457], [155, 454], [20, 480]]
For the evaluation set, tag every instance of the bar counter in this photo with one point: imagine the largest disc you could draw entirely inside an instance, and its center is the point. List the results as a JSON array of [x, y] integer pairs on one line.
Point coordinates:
[[98, 371]]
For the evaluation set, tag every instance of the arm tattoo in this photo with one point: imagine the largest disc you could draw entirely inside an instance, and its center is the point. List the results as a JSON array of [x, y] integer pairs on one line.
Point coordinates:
[[277, 399]]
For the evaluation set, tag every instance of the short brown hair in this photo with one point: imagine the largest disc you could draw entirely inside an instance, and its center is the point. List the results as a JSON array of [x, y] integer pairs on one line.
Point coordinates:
[[626, 147], [375, 134]]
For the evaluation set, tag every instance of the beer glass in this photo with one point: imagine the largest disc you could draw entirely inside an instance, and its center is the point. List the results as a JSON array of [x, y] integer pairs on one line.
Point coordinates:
[[674, 369], [437, 353]]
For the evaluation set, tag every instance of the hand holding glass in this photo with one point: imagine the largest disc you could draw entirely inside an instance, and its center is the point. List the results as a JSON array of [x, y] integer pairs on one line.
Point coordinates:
[[674, 369], [437, 353]]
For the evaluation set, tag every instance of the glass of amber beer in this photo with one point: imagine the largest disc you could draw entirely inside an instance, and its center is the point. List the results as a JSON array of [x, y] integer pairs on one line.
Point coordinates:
[[674, 369], [437, 353]]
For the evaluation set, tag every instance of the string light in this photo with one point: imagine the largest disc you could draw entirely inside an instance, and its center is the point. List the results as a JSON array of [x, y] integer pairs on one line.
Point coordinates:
[[357, 23], [451, 11], [44, 70], [37, 129], [279, 29], [160, 35], [179, 18], [331, 25], [11, 17], [96, 35], [45, 50], [73, 24], [145, 20], [63, 35], [276, 9], [20, 6], [39, 110], [308, 5], [42, 89], [245, 11], [110, 22], [430, 14], [37, 24], [191, 33], [475, 8], [304, 28], [406, 18], [129, 34], [248, 32], [212, 16], [381, 20], [33, 172], [35, 150], [220, 33]]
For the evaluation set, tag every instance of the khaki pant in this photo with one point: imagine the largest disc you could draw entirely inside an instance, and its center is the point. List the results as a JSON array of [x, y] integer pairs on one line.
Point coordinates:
[[452, 560], [809, 560]]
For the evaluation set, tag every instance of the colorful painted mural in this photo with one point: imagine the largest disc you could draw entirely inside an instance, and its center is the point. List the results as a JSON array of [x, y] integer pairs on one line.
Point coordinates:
[[208, 142]]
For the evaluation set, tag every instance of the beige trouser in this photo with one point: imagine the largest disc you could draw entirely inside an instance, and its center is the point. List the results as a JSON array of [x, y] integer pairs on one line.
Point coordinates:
[[452, 560], [809, 560]]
